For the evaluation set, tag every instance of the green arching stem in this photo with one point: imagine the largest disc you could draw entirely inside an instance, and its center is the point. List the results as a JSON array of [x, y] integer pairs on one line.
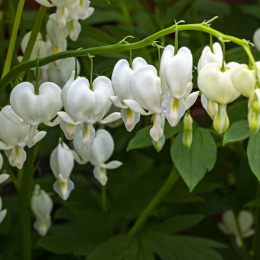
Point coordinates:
[[12, 42], [171, 180], [159, 56], [125, 47], [256, 247]]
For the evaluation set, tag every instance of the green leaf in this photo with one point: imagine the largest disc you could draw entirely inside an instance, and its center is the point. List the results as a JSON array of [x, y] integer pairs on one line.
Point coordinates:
[[141, 139], [148, 244], [237, 132], [177, 224], [253, 153], [192, 164]]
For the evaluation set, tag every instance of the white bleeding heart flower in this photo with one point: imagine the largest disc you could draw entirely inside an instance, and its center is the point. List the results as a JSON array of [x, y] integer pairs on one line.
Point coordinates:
[[13, 137], [244, 79], [3, 176], [217, 85], [146, 90], [229, 227], [41, 205], [62, 163], [208, 56], [83, 105], [121, 82], [176, 82], [85, 11], [57, 36], [100, 151], [36, 109]]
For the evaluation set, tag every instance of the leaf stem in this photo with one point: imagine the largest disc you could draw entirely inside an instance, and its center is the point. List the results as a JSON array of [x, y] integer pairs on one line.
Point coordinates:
[[171, 180], [104, 198], [12, 42], [121, 46]]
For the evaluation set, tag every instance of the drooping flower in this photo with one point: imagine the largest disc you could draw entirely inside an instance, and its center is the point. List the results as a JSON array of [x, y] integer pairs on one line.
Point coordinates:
[[229, 226], [176, 82], [13, 137], [256, 39], [187, 131], [217, 86], [35, 109], [100, 151], [62, 163], [121, 83], [146, 90], [254, 111], [83, 105], [41, 205]]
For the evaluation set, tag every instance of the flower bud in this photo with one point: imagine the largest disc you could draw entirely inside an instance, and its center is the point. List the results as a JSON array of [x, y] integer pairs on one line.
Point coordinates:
[[187, 134], [254, 111]]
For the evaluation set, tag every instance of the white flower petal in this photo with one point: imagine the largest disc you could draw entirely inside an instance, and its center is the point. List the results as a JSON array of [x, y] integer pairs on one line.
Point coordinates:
[[111, 165], [111, 118], [3, 177], [133, 105], [130, 118]]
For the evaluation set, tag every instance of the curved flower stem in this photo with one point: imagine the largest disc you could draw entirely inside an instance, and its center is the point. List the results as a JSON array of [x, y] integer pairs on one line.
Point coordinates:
[[256, 247], [121, 46], [10, 52], [172, 179], [24, 201]]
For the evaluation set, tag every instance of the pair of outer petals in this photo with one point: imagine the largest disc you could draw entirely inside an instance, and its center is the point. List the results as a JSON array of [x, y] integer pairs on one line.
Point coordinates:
[[13, 137], [62, 163], [100, 151], [176, 72], [41, 205], [229, 227]]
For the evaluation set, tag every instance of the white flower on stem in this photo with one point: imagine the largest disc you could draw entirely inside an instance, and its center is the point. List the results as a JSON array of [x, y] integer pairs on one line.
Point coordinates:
[[83, 105], [229, 225], [100, 151], [41, 205], [57, 36], [207, 57], [146, 89], [3, 176], [176, 82], [36, 109], [217, 86], [121, 82], [13, 137], [244, 79], [85, 11], [62, 163]]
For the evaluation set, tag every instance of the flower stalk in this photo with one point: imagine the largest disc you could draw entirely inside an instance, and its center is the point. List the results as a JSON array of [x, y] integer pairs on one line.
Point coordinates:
[[171, 180]]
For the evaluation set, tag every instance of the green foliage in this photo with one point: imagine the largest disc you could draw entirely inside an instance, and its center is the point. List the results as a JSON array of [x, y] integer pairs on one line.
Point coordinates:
[[237, 132], [147, 245], [193, 163]]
